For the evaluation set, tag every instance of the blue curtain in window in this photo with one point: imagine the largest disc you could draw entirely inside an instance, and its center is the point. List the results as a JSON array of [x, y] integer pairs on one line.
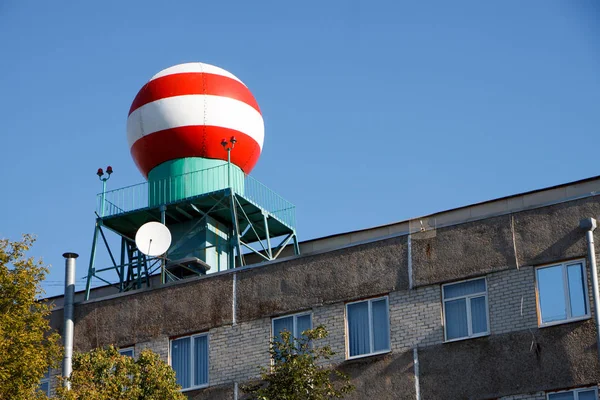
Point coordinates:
[[478, 315], [45, 387], [562, 396], [181, 361], [464, 288], [127, 353], [283, 324], [587, 395], [456, 319], [200, 360], [303, 323], [381, 330], [576, 287], [358, 328]]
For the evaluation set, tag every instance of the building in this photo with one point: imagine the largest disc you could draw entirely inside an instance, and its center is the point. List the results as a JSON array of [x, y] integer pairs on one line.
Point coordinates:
[[488, 301]]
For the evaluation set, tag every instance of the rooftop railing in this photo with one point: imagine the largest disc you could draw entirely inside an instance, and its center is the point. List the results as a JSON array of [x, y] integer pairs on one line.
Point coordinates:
[[178, 188]]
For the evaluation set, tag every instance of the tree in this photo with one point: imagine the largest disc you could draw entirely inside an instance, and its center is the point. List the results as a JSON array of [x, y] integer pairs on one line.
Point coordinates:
[[104, 374], [27, 345], [296, 373]]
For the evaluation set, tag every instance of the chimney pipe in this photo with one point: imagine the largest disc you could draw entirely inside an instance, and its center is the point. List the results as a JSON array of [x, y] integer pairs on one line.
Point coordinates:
[[68, 311]]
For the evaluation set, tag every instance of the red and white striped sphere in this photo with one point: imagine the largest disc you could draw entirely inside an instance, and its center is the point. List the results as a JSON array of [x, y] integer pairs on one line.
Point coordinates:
[[187, 110]]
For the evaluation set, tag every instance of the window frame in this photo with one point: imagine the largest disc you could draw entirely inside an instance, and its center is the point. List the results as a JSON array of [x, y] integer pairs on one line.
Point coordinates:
[[467, 298], [192, 348], [371, 337], [45, 380], [575, 392], [294, 322], [567, 298], [126, 349]]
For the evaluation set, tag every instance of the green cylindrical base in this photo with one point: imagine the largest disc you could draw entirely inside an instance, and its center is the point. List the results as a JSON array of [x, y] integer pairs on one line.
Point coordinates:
[[179, 179]]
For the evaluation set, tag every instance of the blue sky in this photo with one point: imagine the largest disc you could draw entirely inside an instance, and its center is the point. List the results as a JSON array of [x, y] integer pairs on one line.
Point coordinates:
[[375, 111]]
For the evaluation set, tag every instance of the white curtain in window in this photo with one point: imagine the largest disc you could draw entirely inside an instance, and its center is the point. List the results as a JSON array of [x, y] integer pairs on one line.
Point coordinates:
[[358, 328], [464, 288], [381, 331], [456, 319], [478, 315], [200, 360], [181, 361], [303, 323]]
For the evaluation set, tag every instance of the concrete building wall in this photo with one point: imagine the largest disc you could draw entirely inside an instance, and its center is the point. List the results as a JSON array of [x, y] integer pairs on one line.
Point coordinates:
[[516, 359]]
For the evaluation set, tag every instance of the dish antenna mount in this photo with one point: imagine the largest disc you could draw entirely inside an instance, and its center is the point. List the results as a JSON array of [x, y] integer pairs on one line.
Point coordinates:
[[153, 239]]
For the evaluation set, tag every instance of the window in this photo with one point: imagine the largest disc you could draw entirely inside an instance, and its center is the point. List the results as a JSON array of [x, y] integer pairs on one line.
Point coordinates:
[[465, 309], [128, 351], [189, 359], [562, 293], [45, 384], [295, 324], [577, 394], [368, 327]]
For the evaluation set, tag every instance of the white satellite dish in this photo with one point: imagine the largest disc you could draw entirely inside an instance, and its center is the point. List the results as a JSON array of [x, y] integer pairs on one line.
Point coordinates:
[[153, 239]]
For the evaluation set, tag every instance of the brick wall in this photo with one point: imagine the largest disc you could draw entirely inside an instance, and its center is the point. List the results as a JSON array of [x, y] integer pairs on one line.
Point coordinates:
[[237, 352], [416, 318], [511, 299], [160, 346], [333, 318]]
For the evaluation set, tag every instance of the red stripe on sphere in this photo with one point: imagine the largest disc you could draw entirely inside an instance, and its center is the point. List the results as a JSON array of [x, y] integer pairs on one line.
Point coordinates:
[[194, 141], [193, 83]]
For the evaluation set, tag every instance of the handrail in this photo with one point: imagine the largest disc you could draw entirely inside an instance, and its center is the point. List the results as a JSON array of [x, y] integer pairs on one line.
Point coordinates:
[[175, 189]]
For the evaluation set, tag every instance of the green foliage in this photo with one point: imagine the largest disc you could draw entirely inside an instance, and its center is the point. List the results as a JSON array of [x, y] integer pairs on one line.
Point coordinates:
[[27, 346], [104, 374], [296, 373]]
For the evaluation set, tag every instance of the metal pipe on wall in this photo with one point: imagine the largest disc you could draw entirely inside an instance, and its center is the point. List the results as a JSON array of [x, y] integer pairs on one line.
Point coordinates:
[[68, 312], [589, 224]]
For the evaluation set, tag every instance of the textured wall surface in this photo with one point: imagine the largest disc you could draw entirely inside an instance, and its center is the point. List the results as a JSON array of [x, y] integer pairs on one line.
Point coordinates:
[[462, 251], [552, 233], [383, 377], [222, 392], [360, 271], [189, 307], [561, 356]]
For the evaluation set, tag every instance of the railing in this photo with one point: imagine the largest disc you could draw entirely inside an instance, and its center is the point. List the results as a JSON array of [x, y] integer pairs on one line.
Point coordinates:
[[175, 189]]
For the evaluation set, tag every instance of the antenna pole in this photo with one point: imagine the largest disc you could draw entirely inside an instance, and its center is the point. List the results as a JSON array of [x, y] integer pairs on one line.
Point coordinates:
[[228, 146], [229, 166], [102, 178]]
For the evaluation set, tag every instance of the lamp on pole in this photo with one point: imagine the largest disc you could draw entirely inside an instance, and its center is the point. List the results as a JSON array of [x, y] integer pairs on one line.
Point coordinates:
[[228, 146], [103, 178]]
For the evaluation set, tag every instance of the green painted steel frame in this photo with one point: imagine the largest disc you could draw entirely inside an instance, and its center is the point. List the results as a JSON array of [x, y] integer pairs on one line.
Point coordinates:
[[252, 228]]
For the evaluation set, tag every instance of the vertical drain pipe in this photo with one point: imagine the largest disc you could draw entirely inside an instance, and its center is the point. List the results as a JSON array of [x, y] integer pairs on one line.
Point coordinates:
[[589, 224], [68, 311]]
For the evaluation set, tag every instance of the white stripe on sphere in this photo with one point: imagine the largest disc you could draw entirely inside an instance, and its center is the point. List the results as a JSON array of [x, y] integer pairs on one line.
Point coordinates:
[[196, 67], [197, 109]]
